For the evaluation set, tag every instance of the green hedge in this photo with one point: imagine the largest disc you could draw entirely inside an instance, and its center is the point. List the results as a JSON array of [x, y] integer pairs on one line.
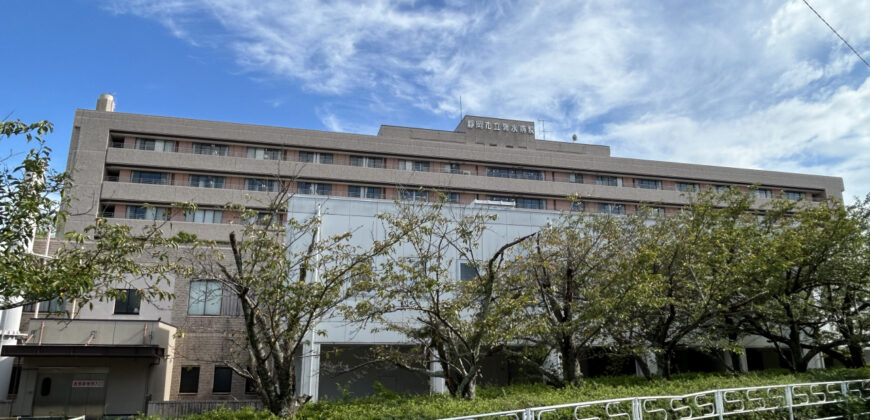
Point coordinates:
[[389, 405]]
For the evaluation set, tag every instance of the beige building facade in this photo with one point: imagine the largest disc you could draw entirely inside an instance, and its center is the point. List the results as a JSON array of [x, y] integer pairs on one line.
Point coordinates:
[[130, 168]]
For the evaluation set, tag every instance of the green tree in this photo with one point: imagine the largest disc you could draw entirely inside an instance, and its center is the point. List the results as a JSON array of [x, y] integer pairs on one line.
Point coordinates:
[[569, 275], [458, 322], [287, 276], [91, 265], [815, 280], [689, 266]]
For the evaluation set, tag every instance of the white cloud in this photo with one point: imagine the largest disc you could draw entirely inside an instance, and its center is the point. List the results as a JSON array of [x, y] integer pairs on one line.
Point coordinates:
[[755, 84]]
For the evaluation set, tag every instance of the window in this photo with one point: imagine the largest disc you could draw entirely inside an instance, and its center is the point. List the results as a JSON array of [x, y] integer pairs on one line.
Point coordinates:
[[155, 145], [14, 380], [48, 306], [367, 161], [649, 184], [575, 178], [531, 203], [207, 181], [314, 189], [794, 195], [143, 177], [262, 218], [203, 216], [686, 187], [205, 298], [577, 206], [414, 195], [265, 153], [108, 210], [610, 181], [515, 173], [315, 157], [414, 165], [610, 208], [657, 211], [189, 383], [210, 149], [127, 303], [721, 189], [467, 271], [250, 386], [147, 213], [118, 143], [255, 184], [365, 192], [45, 387], [452, 168], [763, 193], [223, 379], [502, 199], [452, 197]]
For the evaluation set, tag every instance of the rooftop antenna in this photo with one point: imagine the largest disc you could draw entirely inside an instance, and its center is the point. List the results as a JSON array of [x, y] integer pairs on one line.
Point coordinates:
[[544, 128], [460, 107]]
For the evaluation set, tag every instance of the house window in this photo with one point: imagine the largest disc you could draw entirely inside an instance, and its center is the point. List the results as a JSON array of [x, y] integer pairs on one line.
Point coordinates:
[[453, 197], [210, 149], [367, 161], [250, 386], [530, 203], [155, 145], [451, 168], [189, 383], [203, 216], [610, 208], [686, 187], [502, 199], [256, 184], [467, 271], [264, 153], [515, 173], [649, 184], [414, 195], [414, 165], [14, 380], [577, 206], [143, 177], [610, 181], [657, 211], [48, 306], [794, 195], [721, 189], [207, 181], [575, 178], [365, 192], [147, 213], [763, 193], [118, 143], [314, 189], [315, 157], [205, 298], [223, 379], [127, 303]]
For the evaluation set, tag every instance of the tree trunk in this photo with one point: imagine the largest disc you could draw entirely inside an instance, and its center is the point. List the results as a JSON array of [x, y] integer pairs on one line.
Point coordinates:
[[571, 371], [663, 361], [856, 355]]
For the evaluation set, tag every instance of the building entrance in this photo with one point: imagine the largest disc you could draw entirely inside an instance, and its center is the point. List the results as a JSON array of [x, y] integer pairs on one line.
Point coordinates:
[[70, 393]]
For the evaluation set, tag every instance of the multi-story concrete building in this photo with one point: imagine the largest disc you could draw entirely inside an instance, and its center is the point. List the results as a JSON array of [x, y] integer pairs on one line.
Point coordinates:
[[121, 162]]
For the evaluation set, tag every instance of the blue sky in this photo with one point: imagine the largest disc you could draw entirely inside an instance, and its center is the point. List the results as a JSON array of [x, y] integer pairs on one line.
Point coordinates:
[[758, 84]]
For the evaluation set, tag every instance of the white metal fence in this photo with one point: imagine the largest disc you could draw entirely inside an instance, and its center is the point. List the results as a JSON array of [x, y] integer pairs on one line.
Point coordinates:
[[817, 401]]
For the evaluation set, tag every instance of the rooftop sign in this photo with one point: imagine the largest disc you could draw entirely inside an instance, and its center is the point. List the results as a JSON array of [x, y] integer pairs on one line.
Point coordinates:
[[479, 124]]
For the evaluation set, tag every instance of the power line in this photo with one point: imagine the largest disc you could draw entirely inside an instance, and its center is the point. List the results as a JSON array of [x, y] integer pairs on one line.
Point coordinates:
[[838, 34]]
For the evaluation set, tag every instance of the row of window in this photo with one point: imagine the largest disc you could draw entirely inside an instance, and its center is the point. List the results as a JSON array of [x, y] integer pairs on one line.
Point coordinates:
[[221, 384], [127, 304], [409, 165]]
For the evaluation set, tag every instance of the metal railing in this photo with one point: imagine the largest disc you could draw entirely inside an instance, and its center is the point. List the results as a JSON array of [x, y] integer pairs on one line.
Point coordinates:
[[810, 401]]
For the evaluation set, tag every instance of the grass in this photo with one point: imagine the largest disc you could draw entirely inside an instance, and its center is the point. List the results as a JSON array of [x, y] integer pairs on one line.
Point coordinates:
[[389, 405]]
